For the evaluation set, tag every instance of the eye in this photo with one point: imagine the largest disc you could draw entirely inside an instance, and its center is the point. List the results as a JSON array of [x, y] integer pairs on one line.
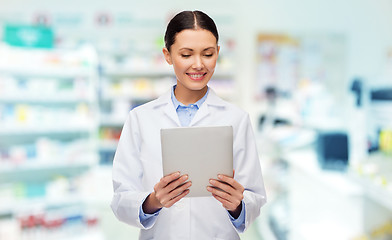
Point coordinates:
[[185, 55], [208, 55]]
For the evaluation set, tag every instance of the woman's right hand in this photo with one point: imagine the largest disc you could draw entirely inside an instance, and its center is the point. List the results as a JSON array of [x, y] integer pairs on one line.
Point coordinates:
[[169, 190]]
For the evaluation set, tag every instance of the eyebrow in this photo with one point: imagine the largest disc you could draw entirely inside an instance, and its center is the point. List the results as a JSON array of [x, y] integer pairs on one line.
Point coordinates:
[[190, 49]]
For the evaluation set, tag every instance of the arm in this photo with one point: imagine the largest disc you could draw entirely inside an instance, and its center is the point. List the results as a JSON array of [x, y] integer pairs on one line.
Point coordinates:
[[131, 203], [169, 190], [248, 172], [247, 186], [127, 175], [229, 192]]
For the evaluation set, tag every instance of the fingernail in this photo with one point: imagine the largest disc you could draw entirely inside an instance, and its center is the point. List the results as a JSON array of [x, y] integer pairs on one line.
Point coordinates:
[[209, 189], [212, 181], [185, 177], [219, 176], [177, 174]]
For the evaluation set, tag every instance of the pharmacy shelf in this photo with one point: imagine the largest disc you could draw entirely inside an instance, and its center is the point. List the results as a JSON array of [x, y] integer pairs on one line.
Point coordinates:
[[375, 191], [306, 161], [120, 72], [108, 145], [56, 72], [374, 175], [98, 235], [18, 205], [40, 172], [25, 98], [112, 121], [131, 97], [15, 130]]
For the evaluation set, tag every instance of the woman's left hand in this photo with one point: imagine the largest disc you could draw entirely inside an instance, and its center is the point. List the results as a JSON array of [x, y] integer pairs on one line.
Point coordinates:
[[229, 192]]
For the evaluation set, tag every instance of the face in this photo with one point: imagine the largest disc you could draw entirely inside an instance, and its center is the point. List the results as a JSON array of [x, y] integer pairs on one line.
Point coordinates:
[[193, 56]]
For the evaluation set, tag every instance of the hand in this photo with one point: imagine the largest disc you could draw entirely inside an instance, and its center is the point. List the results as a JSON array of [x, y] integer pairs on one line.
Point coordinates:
[[169, 190], [229, 192]]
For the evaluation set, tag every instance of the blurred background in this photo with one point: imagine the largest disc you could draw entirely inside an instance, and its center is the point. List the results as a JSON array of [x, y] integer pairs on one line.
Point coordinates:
[[315, 76]]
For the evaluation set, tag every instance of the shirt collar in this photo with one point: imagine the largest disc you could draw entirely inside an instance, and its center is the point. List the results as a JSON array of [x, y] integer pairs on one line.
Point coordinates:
[[177, 104], [212, 99]]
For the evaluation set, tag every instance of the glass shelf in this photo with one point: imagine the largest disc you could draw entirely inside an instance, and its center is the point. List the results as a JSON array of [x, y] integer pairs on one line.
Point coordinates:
[[41, 172], [44, 130]]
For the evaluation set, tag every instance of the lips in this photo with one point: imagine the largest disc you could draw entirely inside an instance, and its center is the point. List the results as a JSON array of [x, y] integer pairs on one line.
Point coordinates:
[[196, 76]]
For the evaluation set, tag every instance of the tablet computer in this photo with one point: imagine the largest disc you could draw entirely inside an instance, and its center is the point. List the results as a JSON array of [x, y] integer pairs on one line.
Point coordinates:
[[200, 152]]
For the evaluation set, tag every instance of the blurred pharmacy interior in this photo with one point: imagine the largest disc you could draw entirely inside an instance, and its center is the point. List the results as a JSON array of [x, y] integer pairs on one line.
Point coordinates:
[[315, 76]]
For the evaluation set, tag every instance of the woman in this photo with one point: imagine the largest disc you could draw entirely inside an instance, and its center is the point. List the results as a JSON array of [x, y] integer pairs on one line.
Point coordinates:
[[155, 203]]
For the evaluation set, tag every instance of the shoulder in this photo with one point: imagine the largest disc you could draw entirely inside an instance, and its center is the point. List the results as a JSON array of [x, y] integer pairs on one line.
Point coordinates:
[[145, 106], [214, 100], [153, 104], [235, 109]]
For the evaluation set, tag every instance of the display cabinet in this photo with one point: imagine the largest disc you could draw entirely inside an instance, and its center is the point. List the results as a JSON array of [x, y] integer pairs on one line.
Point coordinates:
[[48, 128]]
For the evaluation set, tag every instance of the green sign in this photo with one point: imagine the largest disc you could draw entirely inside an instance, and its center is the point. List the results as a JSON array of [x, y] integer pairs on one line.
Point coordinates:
[[29, 36]]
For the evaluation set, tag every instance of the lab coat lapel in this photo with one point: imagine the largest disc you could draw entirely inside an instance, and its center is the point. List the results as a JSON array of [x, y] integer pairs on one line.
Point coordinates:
[[212, 101], [171, 113], [200, 114], [167, 107]]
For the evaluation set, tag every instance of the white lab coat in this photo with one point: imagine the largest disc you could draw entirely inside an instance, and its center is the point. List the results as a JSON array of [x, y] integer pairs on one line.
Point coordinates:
[[137, 167]]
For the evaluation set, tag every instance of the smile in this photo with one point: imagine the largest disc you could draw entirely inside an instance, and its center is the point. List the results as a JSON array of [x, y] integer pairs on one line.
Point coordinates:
[[196, 76]]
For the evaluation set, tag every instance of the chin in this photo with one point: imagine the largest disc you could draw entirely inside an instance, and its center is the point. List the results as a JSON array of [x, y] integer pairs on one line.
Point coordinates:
[[197, 86]]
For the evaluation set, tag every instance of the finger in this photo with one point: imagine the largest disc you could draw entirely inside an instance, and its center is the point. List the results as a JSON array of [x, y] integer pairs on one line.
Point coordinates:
[[176, 183], [226, 204], [234, 198], [220, 193], [164, 195], [179, 190], [231, 181], [168, 179], [159, 188], [176, 199], [223, 186]]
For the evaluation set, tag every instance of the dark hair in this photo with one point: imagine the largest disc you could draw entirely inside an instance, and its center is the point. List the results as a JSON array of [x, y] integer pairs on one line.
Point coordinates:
[[189, 20]]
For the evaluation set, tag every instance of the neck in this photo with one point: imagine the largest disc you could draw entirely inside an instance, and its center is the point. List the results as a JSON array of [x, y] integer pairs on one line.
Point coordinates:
[[187, 96]]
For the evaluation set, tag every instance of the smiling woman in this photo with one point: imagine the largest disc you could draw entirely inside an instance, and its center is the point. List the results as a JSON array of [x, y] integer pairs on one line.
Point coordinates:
[[193, 56], [143, 197], [191, 46]]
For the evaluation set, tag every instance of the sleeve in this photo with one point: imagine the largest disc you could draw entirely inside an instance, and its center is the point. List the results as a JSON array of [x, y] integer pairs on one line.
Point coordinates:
[[127, 176], [248, 172], [238, 222], [146, 219]]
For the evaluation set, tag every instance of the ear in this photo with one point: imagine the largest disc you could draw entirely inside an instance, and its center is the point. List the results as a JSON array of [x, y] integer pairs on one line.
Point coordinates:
[[218, 50], [167, 56]]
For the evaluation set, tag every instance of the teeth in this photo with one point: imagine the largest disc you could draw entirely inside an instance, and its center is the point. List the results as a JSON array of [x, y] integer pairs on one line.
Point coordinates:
[[196, 75]]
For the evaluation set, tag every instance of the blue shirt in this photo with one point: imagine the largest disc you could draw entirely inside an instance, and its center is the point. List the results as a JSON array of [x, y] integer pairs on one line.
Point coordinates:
[[185, 115]]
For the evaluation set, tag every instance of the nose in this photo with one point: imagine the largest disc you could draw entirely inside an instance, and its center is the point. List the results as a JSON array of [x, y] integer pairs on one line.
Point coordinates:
[[198, 63]]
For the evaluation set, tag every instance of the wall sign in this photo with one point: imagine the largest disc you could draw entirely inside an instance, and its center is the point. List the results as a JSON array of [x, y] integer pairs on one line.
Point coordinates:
[[28, 36]]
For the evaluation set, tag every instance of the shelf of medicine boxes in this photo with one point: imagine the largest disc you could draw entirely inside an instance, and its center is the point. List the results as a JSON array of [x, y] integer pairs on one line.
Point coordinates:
[[48, 114], [374, 174], [122, 89]]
